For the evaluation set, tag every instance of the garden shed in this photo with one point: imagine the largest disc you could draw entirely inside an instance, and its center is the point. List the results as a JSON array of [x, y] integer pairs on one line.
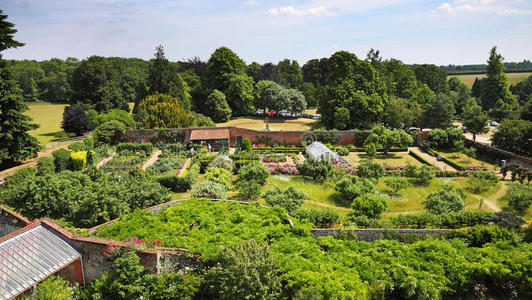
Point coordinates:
[[319, 151]]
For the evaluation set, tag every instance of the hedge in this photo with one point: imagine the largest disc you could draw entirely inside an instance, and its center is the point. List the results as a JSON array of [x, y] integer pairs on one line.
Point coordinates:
[[420, 158], [180, 184], [130, 147], [454, 220]]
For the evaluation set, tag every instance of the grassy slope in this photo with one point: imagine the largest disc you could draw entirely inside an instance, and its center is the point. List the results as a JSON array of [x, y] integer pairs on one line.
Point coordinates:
[[513, 78], [49, 117]]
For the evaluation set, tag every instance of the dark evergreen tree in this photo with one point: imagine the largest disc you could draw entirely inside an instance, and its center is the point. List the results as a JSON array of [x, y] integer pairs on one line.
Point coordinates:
[[476, 89], [15, 141], [495, 86]]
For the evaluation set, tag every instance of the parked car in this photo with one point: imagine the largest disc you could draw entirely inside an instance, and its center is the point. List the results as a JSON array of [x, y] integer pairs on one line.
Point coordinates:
[[316, 117], [493, 123]]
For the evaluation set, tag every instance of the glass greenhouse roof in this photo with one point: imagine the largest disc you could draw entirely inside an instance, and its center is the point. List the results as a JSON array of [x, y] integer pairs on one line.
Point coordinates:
[[29, 257]]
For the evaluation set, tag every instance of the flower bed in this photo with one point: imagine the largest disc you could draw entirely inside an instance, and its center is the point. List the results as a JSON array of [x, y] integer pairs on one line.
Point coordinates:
[[122, 163], [282, 169], [274, 158]]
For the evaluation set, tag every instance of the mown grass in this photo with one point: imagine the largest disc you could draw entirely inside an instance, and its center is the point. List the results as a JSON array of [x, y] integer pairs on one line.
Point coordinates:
[[466, 161], [513, 78], [257, 123], [390, 159], [49, 117]]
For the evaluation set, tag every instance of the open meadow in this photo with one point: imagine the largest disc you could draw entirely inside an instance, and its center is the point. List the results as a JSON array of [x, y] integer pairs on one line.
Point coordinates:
[[49, 117], [257, 123], [513, 78]]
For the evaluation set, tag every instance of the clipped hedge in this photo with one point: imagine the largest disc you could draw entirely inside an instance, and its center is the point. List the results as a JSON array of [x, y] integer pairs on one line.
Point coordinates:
[[453, 220], [181, 184], [61, 160], [133, 148], [420, 158], [450, 162]]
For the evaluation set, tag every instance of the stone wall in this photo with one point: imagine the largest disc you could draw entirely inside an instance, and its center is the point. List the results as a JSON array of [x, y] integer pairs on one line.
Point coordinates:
[[10, 221], [370, 235], [282, 137]]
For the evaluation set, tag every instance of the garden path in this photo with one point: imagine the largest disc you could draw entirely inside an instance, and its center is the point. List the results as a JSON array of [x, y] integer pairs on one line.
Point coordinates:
[[440, 164], [184, 167], [105, 160], [152, 159]]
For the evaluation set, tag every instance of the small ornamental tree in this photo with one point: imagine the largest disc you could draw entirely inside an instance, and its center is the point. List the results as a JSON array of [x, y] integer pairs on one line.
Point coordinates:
[[386, 138], [520, 197], [290, 199], [246, 145], [253, 172], [351, 187], [111, 133], [396, 183], [210, 189], [445, 200], [217, 107], [370, 169], [369, 205], [249, 190], [370, 149], [75, 120], [314, 169], [481, 181]]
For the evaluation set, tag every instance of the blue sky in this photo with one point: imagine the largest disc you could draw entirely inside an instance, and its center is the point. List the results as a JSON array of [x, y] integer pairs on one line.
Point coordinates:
[[414, 31]]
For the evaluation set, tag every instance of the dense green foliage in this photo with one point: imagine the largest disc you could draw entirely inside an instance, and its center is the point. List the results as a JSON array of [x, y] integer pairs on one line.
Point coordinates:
[[84, 200], [314, 169], [111, 132], [519, 197], [54, 288], [371, 170], [369, 205], [330, 268], [290, 199], [163, 111], [351, 187], [75, 120], [481, 181], [445, 200], [253, 172], [385, 138], [514, 136]]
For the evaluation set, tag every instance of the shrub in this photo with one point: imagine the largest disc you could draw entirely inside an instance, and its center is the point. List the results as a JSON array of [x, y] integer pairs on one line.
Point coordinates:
[[75, 120], [421, 176], [351, 187], [253, 172], [290, 199], [164, 165], [314, 169], [246, 145], [342, 151], [133, 149], [481, 181], [519, 197], [370, 149], [321, 218], [222, 162], [119, 115], [236, 278], [61, 160], [77, 146], [249, 190], [453, 220], [111, 133], [221, 176], [420, 158], [396, 184], [369, 169], [79, 160], [478, 236], [445, 200], [369, 205], [54, 288], [507, 219], [45, 165], [210, 189], [88, 143]]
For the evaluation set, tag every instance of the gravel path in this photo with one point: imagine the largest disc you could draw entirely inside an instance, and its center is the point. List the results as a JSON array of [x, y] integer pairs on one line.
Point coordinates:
[[184, 167], [105, 160], [152, 159]]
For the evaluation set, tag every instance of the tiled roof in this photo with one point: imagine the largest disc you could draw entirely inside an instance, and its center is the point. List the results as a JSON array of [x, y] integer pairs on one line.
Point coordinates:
[[29, 257], [209, 134]]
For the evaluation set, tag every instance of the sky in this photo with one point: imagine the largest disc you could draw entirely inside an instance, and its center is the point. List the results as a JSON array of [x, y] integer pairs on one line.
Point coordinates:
[[414, 31]]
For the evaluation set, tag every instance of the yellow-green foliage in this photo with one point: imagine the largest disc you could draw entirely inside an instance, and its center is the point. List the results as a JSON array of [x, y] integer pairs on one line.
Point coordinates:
[[164, 111], [79, 159]]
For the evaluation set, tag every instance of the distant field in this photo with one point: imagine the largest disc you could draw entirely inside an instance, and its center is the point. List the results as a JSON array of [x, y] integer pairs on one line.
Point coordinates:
[[49, 117], [513, 78], [275, 124]]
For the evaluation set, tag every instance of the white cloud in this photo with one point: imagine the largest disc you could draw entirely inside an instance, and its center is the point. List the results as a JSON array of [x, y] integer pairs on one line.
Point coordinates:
[[499, 7], [251, 3], [301, 12]]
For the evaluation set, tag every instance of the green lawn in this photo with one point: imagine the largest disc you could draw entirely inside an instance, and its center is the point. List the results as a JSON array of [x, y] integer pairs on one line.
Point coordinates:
[[49, 117], [464, 160], [390, 159]]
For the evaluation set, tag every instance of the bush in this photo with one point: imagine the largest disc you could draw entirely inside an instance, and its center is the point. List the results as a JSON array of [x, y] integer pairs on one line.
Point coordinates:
[[210, 189], [222, 162], [352, 187], [246, 145], [290, 199], [369, 169], [236, 278], [369, 205], [421, 176], [481, 181], [248, 190], [133, 149], [221, 176], [111, 133], [79, 160], [321, 218], [53, 288], [478, 236], [180, 184], [77, 146], [314, 169], [445, 200], [253, 172], [396, 184], [507, 219], [164, 165], [452, 220], [45, 165], [342, 151], [61, 160], [519, 197]]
